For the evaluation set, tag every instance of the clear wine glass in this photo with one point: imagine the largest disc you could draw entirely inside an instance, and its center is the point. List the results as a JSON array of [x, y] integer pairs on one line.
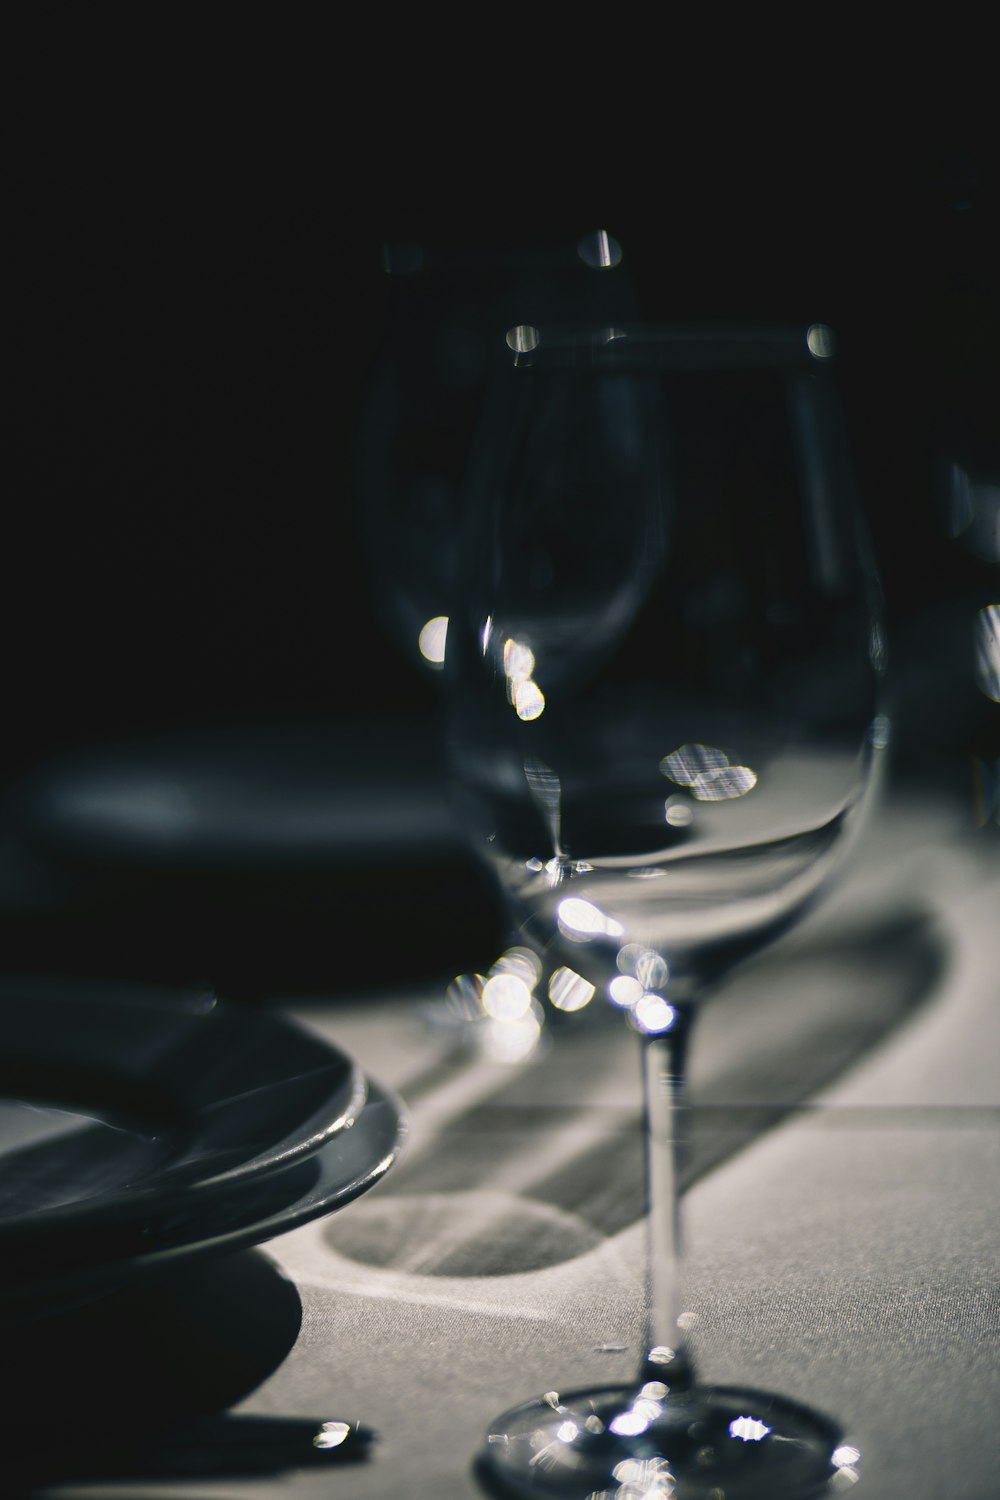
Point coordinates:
[[664, 675]]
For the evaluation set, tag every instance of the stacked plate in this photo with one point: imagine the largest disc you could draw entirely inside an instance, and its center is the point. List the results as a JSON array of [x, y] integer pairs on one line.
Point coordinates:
[[137, 1129]]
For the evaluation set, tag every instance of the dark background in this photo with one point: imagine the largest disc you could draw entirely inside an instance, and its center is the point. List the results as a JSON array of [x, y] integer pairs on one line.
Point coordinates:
[[189, 369], [192, 341]]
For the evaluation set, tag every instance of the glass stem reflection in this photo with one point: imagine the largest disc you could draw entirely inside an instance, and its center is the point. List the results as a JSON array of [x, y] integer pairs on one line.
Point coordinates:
[[663, 1058]]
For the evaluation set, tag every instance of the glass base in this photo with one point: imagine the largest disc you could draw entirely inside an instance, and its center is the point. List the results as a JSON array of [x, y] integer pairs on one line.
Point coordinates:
[[705, 1443]]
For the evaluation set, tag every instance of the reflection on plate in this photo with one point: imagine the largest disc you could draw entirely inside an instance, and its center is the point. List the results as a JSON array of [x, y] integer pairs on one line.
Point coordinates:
[[256, 1211], [121, 1109]]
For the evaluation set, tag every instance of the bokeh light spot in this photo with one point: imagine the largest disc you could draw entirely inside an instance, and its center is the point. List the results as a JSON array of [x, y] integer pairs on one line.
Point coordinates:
[[691, 761], [583, 920], [724, 784], [599, 250], [431, 640], [506, 997], [332, 1434], [652, 1014], [570, 991], [529, 700], [678, 813], [625, 990], [518, 660], [748, 1429], [821, 341], [523, 338]]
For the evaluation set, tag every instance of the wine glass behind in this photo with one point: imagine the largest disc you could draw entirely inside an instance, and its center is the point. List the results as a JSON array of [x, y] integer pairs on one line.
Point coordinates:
[[444, 299], [443, 302]]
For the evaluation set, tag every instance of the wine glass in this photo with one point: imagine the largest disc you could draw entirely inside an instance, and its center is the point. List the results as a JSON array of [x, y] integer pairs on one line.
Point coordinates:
[[664, 682], [443, 299]]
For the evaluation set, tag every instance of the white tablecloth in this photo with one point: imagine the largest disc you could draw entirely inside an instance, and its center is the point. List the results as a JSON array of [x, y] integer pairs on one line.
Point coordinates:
[[846, 1255]]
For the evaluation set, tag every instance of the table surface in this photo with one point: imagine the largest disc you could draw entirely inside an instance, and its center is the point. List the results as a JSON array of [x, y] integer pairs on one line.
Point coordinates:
[[841, 1216]]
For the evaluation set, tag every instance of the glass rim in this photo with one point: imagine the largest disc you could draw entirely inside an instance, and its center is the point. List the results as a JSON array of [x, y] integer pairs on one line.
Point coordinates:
[[666, 346]]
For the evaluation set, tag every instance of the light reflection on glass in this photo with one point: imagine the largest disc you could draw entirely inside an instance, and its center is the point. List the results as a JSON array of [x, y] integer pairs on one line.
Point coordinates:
[[518, 660], [879, 731], [691, 761], [546, 792], [661, 1354], [332, 1434], [678, 813], [987, 662], [625, 990], [599, 250], [497, 1016], [845, 1454], [643, 1478], [512, 1041], [522, 962], [648, 967], [629, 1423], [652, 1014], [523, 339], [431, 641], [506, 997], [748, 1429], [723, 784], [821, 341], [582, 920], [877, 649], [529, 700], [646, 1407], [464, 997], [569, 991]]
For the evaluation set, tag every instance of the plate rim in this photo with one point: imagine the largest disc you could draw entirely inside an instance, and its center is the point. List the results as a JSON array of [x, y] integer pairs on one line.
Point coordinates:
[[129, 1204], [24, 1298]]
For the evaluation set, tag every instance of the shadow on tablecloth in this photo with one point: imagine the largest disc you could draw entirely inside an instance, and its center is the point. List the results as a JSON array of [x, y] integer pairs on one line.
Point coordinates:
[[534, 1175]]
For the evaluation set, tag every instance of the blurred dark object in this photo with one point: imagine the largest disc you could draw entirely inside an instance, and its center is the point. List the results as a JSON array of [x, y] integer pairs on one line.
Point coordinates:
[[137, 1386], [267, 859]]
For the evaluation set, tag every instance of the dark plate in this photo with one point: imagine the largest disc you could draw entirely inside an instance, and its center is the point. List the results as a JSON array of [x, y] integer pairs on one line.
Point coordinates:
[[257, 1210], [127, 1108]]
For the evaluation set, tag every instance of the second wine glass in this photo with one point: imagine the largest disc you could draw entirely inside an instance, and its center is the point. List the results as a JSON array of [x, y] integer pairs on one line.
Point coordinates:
[[664, 672]]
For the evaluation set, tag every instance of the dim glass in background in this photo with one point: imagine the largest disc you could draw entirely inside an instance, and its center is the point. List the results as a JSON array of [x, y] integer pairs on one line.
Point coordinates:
[[445, 303]]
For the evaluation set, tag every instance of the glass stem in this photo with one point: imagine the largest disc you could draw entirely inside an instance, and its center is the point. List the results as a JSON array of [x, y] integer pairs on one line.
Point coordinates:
[[663, 1058]]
